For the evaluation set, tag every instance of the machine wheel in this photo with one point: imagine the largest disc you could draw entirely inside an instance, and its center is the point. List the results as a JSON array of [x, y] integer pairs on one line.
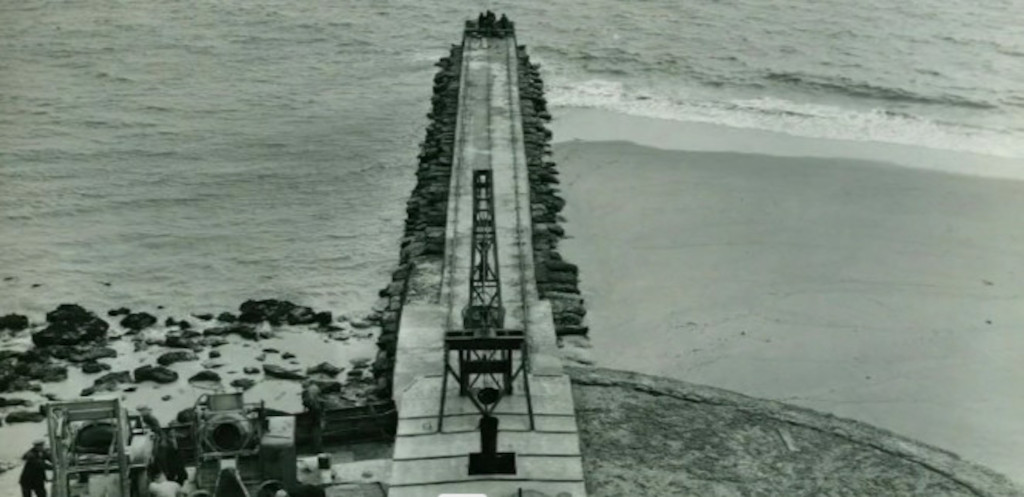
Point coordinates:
[[140, 482]]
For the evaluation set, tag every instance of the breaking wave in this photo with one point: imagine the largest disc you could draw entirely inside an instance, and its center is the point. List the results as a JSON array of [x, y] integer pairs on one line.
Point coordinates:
[[793, 118]]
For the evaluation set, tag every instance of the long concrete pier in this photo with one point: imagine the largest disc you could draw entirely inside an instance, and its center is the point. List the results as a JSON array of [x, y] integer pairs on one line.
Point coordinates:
[[429, 461]]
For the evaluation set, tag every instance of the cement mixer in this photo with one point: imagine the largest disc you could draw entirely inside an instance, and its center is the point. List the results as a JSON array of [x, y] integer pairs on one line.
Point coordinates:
[[98, 450], [240, 452]]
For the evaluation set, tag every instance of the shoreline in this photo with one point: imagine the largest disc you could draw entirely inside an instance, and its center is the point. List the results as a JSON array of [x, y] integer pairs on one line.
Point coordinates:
[[880, 293], [573, 124]]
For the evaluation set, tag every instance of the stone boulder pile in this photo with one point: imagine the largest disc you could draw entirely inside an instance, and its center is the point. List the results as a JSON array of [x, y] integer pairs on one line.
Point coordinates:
[[70, 324], [426, 211], [557, 280]]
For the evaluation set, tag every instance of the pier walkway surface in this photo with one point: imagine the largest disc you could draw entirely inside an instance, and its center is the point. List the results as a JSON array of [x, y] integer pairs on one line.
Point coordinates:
[[429, 462]]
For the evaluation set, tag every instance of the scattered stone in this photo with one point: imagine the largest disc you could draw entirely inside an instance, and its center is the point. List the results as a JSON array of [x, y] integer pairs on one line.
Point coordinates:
[[129, 389], [287, 355], [24, 417], [323, 318], [121, 311], [214, 354], [170, 322], [212, 364], [158, 374], [165, 398], [94, 367], [226, 317], [203, 317], [270, 350], [275, 371], [360, 362], [275, 312], [13, 322], [360, 324], [243, 330], [325, 368], [261, 357], [178, 342], [300, 316], [205, 375], [243, 383], [168, 358], [11, 402], [138, 321], [251, 370]]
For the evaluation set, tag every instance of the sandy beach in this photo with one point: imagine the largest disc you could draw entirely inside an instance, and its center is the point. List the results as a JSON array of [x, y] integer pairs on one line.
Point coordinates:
[[887, 294]]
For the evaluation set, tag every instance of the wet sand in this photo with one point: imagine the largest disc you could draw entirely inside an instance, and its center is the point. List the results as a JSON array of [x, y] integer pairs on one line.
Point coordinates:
[[887, 294]]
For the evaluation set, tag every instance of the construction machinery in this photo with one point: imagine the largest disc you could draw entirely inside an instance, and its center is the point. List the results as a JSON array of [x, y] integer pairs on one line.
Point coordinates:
[[239, 451], [98, 450]]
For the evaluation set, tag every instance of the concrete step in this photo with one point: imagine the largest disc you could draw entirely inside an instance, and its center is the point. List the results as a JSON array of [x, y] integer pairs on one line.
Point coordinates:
[[456, 469], [462, 443]]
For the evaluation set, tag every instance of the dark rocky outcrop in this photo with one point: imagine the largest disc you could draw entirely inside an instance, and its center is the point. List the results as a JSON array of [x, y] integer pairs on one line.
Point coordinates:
[[95, 367], [70, 324], [157, 374], [205, 375], [426, 211], [13, 322], [325, 368], [138, 321], [283, 373], [243, 383], [246, 331], [78, 353], [24, 417], [226, 317], [168, 358], [108, 383], [7, 402], [557, 280]]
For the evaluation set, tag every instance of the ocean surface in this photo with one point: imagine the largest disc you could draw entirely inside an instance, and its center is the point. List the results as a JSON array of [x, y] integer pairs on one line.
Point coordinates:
[[192, 155]]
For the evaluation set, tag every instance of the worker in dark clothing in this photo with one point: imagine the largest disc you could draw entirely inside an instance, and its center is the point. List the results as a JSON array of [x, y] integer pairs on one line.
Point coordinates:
[[33, 475], [503, 25], [167, 459], [314, 406], [150, 420]]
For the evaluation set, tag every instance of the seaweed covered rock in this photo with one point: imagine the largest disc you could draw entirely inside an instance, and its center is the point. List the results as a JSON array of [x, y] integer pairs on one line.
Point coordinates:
[[157, 374], [13, 322], [168, 358], [70, 324], [138, 321]]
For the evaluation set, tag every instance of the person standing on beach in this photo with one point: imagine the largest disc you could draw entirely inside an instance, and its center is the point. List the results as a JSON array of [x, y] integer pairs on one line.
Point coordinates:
[[314, 406], [167, 459], [33, 475]]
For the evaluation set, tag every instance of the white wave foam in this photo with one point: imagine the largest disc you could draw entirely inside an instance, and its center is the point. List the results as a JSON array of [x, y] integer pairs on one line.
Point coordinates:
[[793, 118]]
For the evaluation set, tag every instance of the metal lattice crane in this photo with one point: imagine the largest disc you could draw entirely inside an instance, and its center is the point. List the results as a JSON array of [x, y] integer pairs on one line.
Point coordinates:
[[485, 349]]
